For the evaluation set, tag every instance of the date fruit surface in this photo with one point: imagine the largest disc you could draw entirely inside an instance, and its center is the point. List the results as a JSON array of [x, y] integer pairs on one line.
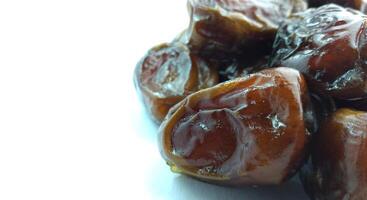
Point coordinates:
[[167, 74], [230, 28], [249, 131], [329, 46], [339, 158]]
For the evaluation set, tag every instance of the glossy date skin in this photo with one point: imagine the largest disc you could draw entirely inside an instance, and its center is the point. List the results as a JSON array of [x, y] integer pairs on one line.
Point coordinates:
[[167, 74], [339, 158], [222, 29], [249, 131], [329, 46]]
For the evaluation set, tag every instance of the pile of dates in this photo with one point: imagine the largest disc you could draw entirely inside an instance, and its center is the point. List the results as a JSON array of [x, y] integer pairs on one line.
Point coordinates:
[[256, 91]]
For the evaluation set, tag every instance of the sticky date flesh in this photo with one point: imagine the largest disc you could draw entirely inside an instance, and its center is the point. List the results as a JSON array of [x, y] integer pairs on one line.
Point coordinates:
[[339, 158], [168, 73], [249, 131]]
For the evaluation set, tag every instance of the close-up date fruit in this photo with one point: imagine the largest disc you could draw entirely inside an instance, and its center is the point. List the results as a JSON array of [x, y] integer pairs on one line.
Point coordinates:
[[338, 168], [228, 28], [329, 46], [252, 91], [249, 131], [168, 73]]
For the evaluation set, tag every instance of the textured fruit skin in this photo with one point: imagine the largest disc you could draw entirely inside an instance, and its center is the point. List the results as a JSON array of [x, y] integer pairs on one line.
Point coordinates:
[[222, 29], [329, 46], [249, 131], [167, 74], [338, 169]]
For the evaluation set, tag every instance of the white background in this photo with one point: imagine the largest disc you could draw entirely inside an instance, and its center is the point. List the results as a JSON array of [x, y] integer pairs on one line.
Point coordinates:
[[71, 124]]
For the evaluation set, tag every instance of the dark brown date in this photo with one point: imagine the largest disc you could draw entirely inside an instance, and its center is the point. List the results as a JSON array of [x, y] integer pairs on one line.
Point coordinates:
[[221, 29], [339, 158], [329, 46], [249, 131], [167, 74]]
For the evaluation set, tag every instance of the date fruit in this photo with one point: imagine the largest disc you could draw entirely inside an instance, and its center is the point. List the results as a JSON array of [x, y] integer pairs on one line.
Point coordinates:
[[249, 131], [167, 74], [329, 46], [223, 29], [339, 158]]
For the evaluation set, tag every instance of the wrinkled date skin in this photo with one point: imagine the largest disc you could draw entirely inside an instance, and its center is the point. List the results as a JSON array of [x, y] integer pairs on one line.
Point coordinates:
[[167, 74], [339, 158], [249, 131], [329, 46], [356, 4], [222, 29]]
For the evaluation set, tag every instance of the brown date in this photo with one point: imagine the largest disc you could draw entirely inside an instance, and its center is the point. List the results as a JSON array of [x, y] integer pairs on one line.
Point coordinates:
[[168, 73], [329, 46], [338, 170], [221, 29], [249, 131]]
